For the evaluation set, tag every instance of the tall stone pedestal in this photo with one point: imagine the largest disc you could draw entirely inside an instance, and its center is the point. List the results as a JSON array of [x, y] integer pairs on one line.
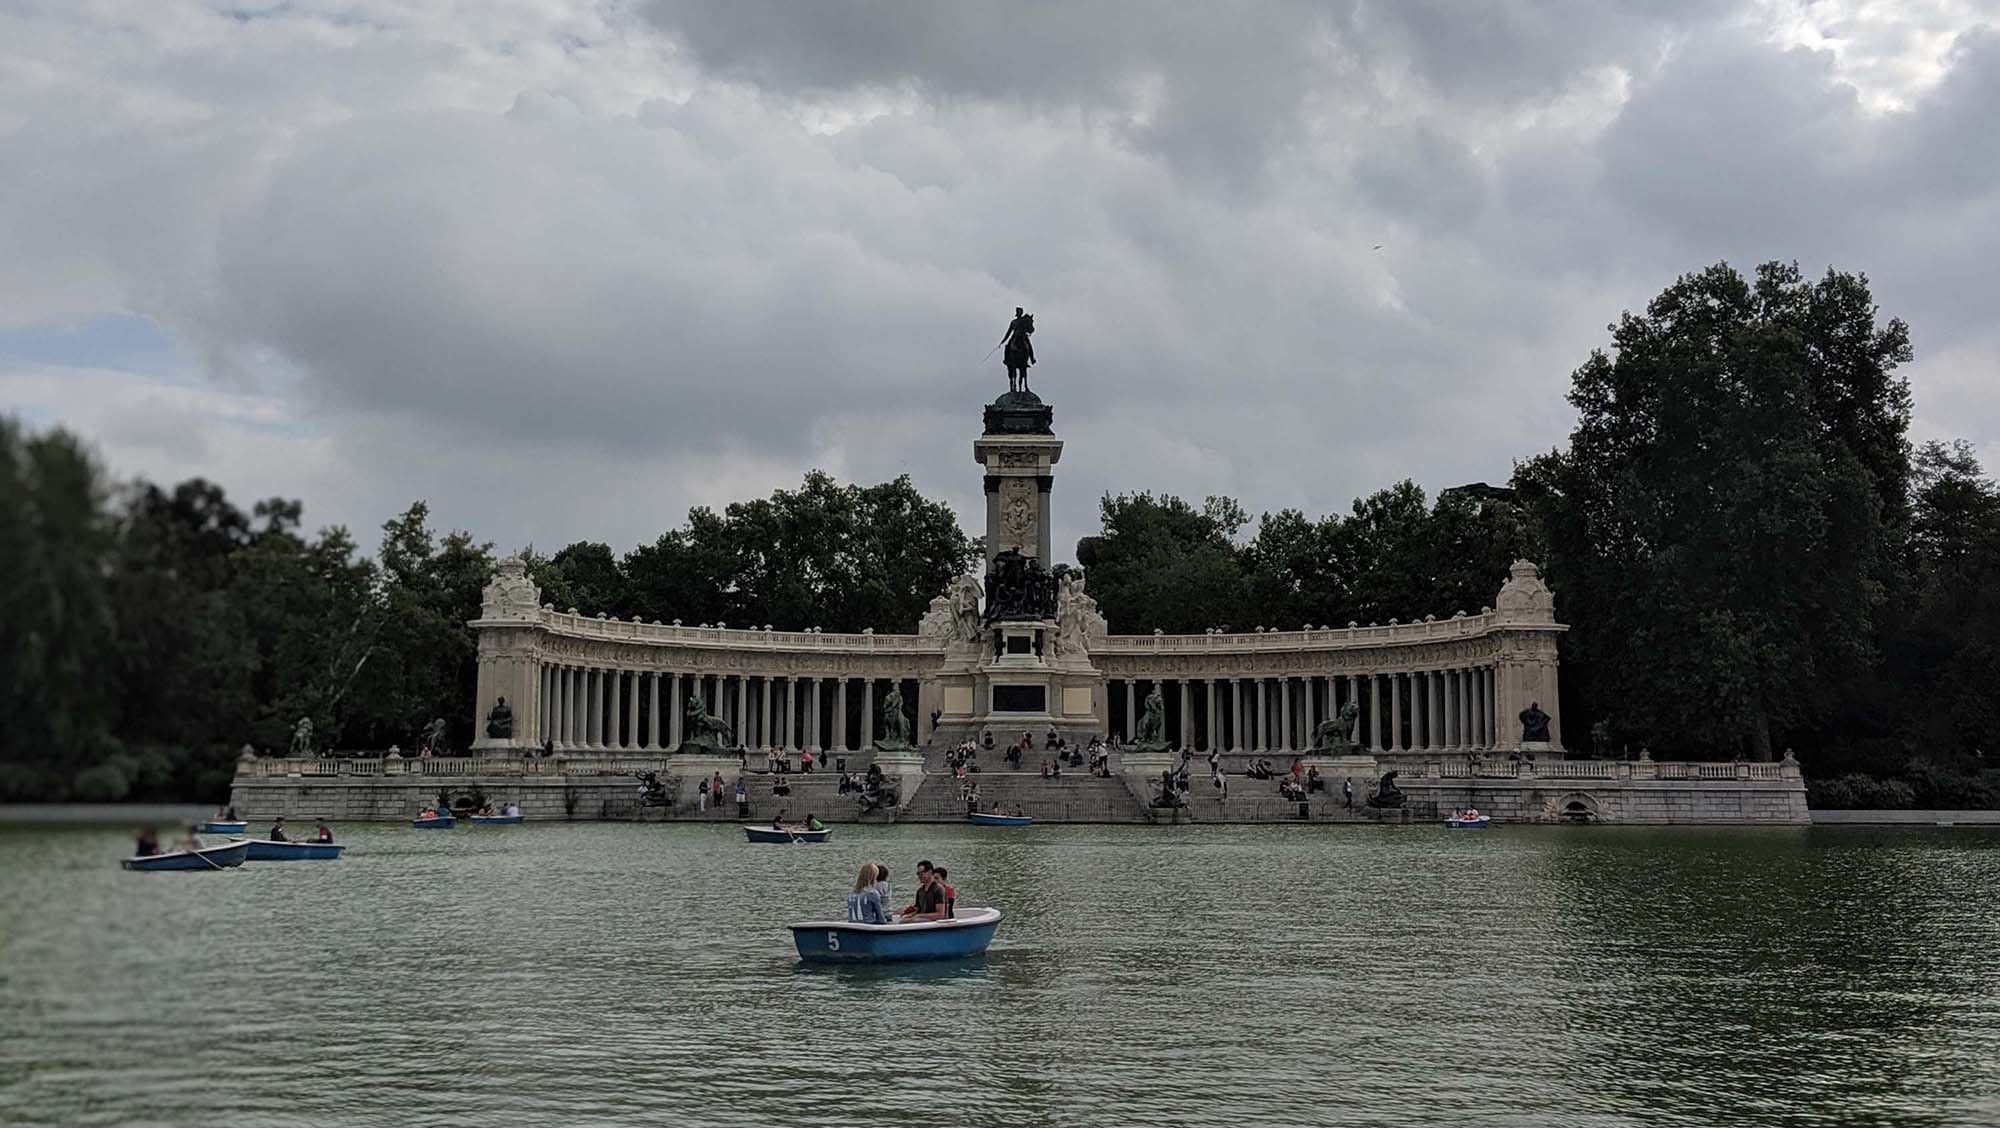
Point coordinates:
[[687, 770]]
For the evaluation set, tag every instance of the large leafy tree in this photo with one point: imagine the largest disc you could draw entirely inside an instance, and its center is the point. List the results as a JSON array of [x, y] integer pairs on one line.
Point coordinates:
[[1721, 525], [1163, 564]]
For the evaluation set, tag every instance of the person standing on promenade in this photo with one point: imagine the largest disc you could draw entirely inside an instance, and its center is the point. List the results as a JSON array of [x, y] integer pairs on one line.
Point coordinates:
[[742, 799]]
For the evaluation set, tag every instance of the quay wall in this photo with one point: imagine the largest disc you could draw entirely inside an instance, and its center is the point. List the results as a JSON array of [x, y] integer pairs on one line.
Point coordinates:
[[605, 788]]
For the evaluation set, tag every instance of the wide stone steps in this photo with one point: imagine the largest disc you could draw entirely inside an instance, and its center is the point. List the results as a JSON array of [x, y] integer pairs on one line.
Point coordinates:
[[1073, 798]]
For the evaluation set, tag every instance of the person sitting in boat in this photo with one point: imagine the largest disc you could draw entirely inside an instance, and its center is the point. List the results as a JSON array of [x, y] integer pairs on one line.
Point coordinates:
[[145, 842], [513, 810], [930, 897], [278, 830], [813, 823], [778, 823], [950, 894], [191, 842], [321, 833], [882, 886], [864, 904], [228, 813], [1471, 814]]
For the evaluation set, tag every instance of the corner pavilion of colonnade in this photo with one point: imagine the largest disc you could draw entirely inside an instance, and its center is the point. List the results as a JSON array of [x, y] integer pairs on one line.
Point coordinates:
[[1022, 650]]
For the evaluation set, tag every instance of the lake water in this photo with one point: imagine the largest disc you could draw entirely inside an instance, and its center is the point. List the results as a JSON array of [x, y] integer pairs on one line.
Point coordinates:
[[641, 974]]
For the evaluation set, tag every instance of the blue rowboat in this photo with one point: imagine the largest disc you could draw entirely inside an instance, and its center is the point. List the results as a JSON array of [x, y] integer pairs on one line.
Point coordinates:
[[773, 834], [1467, 824], [441, 822], [496, 820], [224, 856], [262, 851], [840, 941], [221, 826], [981, 819]]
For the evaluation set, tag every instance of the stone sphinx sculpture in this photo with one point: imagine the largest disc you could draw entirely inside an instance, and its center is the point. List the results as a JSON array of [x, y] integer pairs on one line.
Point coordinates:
[[1387, 794], [1335, 735], [500, 721], [703, 735]]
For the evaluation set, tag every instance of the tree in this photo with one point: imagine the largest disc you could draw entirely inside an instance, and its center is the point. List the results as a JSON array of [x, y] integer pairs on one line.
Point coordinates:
[[1162, 564], [1718, 524]]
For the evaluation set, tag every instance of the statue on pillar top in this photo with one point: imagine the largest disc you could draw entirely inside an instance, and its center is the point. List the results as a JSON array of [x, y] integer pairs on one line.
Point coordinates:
[[703, 734], [1534, 724], [1018, 350], [895, 723], [1335, 735]]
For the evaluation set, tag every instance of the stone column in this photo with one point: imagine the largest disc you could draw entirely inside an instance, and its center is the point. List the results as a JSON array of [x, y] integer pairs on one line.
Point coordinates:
[[1376, 727], [1187, 714], [1285, 708], [1311, 683], [675, 711], [840, 715], [791, 715], [1236, 715], [1209, 698], [1131, 709], [813, 733], [1479, 706], [1395, 741], [867, 713], [1260, 731], [652, 741], [615, 686]]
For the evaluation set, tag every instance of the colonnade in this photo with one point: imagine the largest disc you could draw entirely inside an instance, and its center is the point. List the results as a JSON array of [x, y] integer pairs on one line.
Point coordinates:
[[1414, 711], [589, 708]]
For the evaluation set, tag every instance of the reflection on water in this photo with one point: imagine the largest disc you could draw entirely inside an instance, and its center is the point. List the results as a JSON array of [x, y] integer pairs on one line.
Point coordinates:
[[1280, 975]]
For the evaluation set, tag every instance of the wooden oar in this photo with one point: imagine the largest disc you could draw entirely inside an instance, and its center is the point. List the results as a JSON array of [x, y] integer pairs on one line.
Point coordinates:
[[205, 858]]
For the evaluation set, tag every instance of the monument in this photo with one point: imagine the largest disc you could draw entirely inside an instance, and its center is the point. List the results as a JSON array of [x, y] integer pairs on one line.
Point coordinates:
[[1021, 662]]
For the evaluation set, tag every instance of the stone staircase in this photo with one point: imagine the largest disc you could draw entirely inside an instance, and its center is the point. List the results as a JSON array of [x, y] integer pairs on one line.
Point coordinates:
[[1073, 798]]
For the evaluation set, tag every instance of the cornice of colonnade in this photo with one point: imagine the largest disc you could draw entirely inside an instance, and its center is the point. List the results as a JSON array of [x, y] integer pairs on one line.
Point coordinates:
[[1460, 642], [563, 638]]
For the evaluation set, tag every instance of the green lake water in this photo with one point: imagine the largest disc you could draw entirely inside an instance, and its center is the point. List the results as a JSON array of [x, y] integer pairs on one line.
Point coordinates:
[[642, 974]]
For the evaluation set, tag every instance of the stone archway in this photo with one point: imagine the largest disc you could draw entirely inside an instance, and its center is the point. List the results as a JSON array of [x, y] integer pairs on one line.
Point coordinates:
[[1578, 807]]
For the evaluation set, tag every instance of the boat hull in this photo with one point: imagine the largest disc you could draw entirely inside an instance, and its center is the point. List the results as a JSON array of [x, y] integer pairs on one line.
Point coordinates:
[[999, 820], [1467, 824], [496, 820], [261, 851], [218, 827], [227, 856], [839, 941], [770, 834], [434, 824]]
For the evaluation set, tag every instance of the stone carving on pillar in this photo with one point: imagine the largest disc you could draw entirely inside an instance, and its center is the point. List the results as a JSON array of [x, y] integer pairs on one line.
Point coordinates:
[[1018, 588], [500, 721], [1524, 598], [1534, 724], [1077, 620], [510, 594], [954, 616], [702, 734], [1335, 735]]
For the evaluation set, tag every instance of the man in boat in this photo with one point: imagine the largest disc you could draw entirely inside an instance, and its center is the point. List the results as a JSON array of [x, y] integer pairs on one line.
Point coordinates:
[[930, 903], [321, 833], [950, 894], [191, 842], [278, 830], [146, 842]]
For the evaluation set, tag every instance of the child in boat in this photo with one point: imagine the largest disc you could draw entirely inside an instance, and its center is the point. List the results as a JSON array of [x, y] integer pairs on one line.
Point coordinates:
[[864, 904]]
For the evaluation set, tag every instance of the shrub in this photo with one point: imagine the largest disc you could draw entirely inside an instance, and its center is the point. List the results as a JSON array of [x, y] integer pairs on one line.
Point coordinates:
[[105, 783]]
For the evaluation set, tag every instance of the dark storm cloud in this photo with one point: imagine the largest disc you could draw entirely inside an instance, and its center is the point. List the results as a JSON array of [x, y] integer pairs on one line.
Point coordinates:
[[580, 271]]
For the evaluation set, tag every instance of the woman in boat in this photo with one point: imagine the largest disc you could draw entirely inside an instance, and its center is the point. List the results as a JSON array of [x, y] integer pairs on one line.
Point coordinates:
[[813, 823], [881, 886], [865, 904], [146, 842], [321, 834], [513, 810]]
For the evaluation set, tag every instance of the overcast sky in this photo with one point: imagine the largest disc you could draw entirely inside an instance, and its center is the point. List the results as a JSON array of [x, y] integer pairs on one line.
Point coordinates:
[[566, 268]]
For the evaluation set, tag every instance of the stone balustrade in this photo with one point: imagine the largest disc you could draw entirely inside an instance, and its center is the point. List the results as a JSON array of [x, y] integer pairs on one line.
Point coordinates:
[[354, 766]]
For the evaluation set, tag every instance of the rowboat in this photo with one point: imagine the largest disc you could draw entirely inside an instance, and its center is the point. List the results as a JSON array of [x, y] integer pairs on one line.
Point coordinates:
[[221, 826], [774, 834], [496, 820], [1467, 824], [840, 941], [224, 856], [435, 822], [262, 851], [979, 818]]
